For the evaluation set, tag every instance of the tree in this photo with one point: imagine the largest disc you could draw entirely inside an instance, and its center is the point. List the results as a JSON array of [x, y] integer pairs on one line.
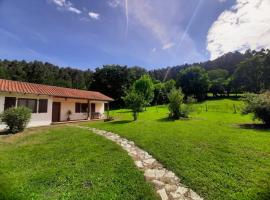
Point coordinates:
[[161, 91], [259, 105], [145, 87], [218, 81], [111, 80], [135, 102], [176, 100], [194, 81]]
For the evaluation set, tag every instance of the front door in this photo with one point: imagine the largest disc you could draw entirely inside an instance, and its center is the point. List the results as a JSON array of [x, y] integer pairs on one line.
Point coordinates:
[[56, 110]]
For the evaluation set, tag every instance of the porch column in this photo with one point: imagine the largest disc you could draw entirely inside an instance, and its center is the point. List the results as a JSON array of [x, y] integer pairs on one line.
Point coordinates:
[[108, 110], [88, 111]]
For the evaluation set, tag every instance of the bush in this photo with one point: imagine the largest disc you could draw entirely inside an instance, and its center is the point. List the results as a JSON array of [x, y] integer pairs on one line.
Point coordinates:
[[259, 105], [16, 118], [176, 107]]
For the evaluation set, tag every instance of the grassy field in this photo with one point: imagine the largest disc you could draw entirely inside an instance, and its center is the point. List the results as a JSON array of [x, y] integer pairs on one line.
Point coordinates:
[[215, 152], [67, 163]]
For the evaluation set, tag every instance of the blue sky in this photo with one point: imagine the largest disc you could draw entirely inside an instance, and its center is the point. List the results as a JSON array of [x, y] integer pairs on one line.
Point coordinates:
[[148, 33]]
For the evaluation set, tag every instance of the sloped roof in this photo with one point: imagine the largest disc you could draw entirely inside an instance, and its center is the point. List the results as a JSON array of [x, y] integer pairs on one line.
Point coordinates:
[[39, 89]]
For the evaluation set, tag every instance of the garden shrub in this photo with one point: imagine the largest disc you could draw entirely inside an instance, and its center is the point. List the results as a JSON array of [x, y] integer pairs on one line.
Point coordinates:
[[176, 104], [16, 118], [259, 105]]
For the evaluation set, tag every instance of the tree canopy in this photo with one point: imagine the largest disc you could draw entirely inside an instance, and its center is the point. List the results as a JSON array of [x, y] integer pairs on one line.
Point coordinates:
[[194, 81]]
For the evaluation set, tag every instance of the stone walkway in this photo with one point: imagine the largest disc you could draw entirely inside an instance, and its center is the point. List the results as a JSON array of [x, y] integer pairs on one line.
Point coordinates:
[[166, 183]]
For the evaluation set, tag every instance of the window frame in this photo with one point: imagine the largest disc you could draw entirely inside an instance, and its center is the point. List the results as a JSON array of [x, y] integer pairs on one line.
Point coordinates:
[[79, 107], [43, 109], [13, 103], [27, 103]]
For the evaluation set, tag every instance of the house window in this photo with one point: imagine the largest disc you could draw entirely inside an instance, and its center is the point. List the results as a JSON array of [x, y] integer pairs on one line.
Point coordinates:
[[9, 102], [77, 107], [81, 107], [84, 107], [29, 103], [43, 106]]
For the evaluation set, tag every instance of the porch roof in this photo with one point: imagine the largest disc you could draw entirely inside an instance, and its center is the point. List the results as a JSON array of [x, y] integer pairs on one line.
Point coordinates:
[[39, 89]]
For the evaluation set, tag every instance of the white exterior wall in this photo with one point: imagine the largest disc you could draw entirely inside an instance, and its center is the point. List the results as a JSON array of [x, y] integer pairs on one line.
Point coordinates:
[[44, 119], [37, 119], [100, 107], [69, 104]]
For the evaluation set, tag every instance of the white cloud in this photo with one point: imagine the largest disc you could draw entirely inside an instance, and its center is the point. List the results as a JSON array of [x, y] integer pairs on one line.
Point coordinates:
[[114, 3], [168, 45], [154, 49], [245, 26], [93, 15], [66, 5]]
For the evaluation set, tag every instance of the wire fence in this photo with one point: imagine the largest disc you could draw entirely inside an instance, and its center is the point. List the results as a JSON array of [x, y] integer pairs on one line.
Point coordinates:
[[224, 108]]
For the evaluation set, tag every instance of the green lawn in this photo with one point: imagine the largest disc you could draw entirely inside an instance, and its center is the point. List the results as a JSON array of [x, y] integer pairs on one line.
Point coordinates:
[[67, 163], [212, 152]]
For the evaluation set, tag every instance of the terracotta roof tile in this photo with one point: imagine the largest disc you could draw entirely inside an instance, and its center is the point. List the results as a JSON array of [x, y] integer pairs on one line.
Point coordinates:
[[39, 89]]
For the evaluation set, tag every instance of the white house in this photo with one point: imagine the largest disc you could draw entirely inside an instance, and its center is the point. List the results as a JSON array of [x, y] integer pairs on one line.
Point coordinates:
[[51, 104]]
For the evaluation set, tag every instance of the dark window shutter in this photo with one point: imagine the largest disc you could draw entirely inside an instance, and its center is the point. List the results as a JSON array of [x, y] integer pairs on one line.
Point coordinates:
[[43, 106], [9, 102], [77, 107]]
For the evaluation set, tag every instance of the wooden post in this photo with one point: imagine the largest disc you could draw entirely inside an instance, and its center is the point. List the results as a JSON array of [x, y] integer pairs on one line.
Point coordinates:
[[88, 111], [108, 110]]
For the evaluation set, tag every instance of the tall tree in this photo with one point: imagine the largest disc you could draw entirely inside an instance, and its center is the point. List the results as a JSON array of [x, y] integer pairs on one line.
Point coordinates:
[[194, 81], [145, 87], [111, 80]]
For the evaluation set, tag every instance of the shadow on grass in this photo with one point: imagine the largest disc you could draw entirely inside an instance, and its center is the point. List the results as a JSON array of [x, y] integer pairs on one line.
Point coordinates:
[[4, 133], [167, 119], [121, 122], [124, 111], [259, 127]]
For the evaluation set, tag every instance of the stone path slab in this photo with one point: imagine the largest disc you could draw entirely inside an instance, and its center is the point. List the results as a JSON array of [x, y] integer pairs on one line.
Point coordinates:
[[167, 184]]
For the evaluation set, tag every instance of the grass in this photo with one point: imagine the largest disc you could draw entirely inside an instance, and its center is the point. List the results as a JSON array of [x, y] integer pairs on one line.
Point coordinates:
[[67, 163], [213, 152]]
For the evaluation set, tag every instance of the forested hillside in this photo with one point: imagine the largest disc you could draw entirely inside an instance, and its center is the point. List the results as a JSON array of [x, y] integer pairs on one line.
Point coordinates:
[[232, 72]]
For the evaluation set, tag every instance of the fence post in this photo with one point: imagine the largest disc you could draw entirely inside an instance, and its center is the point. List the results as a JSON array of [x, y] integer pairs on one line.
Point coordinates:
[[234, 108], [206, 109]]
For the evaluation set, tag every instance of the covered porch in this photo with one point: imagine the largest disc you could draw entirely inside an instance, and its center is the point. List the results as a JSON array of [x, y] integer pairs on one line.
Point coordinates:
[[72, 110]]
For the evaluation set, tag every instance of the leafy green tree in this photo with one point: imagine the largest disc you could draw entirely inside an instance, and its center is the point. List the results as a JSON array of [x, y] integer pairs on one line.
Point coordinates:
[[259, 105], [194, 81], [145, 87], [218, 81], [112, 80], [135, 73], [176, 100], [218, 74], [135, 102], [161, 91]]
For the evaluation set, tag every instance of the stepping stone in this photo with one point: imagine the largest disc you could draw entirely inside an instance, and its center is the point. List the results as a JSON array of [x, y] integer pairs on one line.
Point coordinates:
[[163, 195]]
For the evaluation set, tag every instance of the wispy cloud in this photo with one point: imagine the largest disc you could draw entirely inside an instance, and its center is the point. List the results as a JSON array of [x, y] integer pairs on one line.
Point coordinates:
[[244, 26], [66, 5], [168, 45], [127, 16], [94, 15], [114, 3], [153, 17]]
